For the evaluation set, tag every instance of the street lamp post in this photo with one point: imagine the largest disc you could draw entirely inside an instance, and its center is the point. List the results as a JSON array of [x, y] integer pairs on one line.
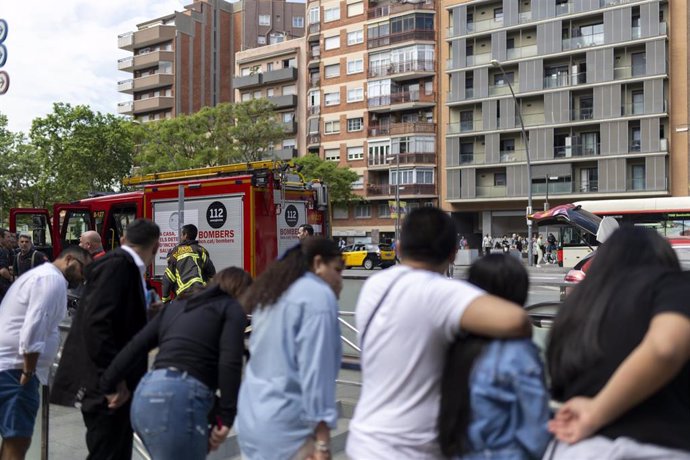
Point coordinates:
[[546, 200], [530, 251], [397, 197]]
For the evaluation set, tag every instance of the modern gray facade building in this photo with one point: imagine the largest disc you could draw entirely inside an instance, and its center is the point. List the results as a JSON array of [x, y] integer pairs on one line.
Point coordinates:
[[591, 79]]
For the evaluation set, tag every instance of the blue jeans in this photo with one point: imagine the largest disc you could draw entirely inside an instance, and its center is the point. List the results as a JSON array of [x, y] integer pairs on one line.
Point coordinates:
[[170, 414]]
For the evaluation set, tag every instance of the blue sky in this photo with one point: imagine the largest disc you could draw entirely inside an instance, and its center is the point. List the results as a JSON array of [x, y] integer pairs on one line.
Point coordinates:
[[66, 51]]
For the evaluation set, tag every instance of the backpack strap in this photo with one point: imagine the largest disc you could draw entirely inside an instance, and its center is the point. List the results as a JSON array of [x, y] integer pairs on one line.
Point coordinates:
[[378, 305]]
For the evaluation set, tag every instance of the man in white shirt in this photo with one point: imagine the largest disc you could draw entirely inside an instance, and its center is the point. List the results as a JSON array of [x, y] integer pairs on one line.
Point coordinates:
[[30, 315], [407, 316]]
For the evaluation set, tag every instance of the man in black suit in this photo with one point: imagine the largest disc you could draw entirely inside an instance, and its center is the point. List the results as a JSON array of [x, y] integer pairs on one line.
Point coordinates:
[[111, 311]]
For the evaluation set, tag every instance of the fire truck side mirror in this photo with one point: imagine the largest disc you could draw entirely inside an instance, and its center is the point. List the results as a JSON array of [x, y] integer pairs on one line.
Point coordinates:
[[321, 195]]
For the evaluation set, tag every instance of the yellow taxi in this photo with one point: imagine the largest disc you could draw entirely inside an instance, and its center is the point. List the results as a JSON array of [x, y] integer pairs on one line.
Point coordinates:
[[368, 256]]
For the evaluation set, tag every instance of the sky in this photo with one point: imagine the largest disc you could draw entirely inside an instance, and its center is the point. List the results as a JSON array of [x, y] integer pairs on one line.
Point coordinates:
[[66, 51]]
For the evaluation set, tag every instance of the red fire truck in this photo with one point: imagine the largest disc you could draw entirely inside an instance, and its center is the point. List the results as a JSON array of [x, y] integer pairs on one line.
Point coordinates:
[[247, 214]]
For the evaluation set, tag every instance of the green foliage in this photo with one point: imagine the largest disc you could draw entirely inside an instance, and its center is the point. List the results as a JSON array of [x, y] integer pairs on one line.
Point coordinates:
[[339, 180], [224, 134], [78, 151]]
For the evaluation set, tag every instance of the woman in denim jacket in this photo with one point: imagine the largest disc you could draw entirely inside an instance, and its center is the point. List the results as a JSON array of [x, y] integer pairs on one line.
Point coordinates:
[[494, 403]]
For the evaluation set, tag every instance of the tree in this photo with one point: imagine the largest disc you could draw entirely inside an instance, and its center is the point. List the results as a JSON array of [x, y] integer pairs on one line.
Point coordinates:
[[18, 172], [78, 151], [226, 133], [338, 179]]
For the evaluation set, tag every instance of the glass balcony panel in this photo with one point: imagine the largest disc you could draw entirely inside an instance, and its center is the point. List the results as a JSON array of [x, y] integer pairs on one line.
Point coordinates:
[[491, 191]]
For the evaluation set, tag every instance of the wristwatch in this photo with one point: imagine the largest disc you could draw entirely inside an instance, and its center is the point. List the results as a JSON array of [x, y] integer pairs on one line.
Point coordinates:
[[29, 374], [322, 446]]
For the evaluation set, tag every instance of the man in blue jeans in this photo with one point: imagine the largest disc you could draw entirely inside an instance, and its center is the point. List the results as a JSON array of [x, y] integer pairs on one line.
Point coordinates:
[[29, 317]]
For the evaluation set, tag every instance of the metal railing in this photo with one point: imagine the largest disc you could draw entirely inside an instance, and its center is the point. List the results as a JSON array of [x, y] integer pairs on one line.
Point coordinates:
[[584, 41], [416, 34], [576, 150], [393, 68], [565, 79]]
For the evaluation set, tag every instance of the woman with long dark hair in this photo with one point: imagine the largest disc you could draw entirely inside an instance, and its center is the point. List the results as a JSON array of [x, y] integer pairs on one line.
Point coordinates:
[[287, 400], [201, 344], [494, 402], [618, 354]]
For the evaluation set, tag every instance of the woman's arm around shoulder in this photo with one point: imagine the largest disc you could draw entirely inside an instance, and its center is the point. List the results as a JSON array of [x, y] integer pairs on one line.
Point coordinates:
[[495, 317]]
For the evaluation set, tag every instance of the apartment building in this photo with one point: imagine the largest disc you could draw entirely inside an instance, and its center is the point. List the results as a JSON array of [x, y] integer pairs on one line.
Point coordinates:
[[592, 83], [372, 105], [184, 61], [278, 72]]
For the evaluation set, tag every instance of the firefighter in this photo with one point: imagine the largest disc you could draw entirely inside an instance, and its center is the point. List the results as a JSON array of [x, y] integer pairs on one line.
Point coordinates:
[[189, 266]]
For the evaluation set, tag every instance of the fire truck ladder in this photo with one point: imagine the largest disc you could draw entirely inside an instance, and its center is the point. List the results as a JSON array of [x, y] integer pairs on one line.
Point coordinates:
[[196, 173]]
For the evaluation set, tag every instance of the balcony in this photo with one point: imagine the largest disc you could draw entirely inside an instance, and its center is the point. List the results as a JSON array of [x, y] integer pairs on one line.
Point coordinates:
[[501, 89], [511, 156], [286, 153], [154, 103], [591, 186], [417, 34], [478, 59], [521, 52], [640, 185], [401, 128], [481, 26], [491, 191], [153, 81], [153, 35], [405, 189], [125, 86], [283, 102], [313, 139], [125, 64], [125, 108], [314, 80], [126, 41], [280, 75], [410, 99], [315, 53], [314, 28], [247, 81], [290, 127], [466, 126], [314, 110], [394, 8], [525, 16], [576, 150], [622, 73], [478, 158], [564, 8], [411, 68], [584, 41], [586, 113], [556, 187], [564, 79], [152, 59]]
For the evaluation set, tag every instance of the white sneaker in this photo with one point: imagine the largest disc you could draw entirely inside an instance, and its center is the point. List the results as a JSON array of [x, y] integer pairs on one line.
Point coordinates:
[[538, 266]]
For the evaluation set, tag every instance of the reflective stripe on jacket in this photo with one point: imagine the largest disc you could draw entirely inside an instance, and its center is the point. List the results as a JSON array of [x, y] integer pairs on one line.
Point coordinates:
[[189, 265]]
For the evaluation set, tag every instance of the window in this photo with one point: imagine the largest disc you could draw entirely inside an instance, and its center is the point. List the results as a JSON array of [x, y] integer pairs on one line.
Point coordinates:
[[245, 71], [384, 210], [332, 71], [269, 67], [635, 139], [355, 66], [499, 179], [314, 15], [260, 40], [331, 127], [332, 98], [298, 22], [270, 92], [331, 43], [359, 183], [288, 117], [355, 9], [289, 90], [498, 14], [257, 94], [276, 38], [355, 94], [637, 173], [355, 37], [246, 97], [340, 212], [331, 14], [637, 102], [355, 124], [500, 79], [355, 153], [425, 176], [639, 64], [264, 19], [362, 211], [332, 154]]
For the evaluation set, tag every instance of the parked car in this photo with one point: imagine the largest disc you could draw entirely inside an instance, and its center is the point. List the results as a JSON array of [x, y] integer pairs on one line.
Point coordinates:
[[368, 256]]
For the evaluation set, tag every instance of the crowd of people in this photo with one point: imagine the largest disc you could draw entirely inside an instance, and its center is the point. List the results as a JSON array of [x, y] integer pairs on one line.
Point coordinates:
[[448, 367]]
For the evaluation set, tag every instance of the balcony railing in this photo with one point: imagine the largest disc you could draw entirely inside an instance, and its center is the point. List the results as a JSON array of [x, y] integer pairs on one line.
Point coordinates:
[[582, 114], [394, 68], [620, 73], [411, 128], [313, 139], [565, 79], [400, 98], [591, 186], [126, 40], [394, 8], [315, 53], [491, 191], [125, 108], [125, 85], [315, 81], [585, 41], [314, 109], [405, 189], [466, 126], [576, 150], [417, 34], [314, 28], [496, 90], [510, 156], [556, 187], [525, 16], [521, 52], [477, 158], [481, 26], [564, 8], [478, 59]]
